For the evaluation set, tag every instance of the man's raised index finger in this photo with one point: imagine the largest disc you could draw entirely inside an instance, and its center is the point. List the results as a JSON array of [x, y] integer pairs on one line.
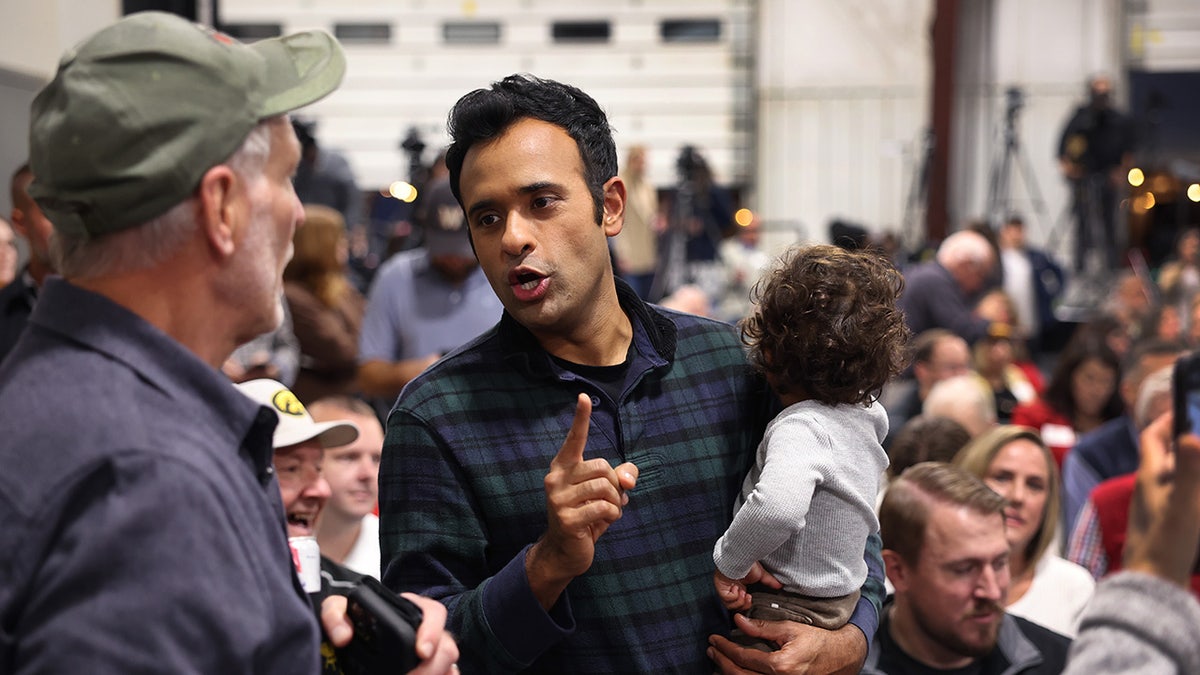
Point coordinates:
[[571, 451]]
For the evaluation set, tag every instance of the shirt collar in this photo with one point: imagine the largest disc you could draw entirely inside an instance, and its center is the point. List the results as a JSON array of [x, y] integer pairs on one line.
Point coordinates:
[[653, 334]]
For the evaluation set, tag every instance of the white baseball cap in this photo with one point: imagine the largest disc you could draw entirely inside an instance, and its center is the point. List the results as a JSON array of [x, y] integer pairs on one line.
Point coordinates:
[[295, 424]]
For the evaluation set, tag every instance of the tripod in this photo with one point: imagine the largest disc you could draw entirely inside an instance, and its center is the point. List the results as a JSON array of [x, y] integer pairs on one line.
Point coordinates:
[[999, 197], [670, 272], [913, 236]]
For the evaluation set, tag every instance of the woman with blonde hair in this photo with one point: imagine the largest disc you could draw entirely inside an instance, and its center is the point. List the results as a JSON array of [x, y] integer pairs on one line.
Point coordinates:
[[1044, 588], [326, 309]]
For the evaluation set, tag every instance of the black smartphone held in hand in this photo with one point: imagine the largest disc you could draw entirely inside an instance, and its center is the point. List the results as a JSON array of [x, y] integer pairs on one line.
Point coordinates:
[[1185, 392], [1185, 388], [385, 631]]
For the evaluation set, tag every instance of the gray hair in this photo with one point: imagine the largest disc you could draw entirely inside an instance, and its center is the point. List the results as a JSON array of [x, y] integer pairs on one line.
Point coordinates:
[[965, 246], [80, 256], [966, 399], [1154, 387]]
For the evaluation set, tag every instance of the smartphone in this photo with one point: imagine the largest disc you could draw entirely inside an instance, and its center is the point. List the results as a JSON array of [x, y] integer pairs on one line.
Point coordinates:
[[1185, 388], [1185, 394], [385, 631]]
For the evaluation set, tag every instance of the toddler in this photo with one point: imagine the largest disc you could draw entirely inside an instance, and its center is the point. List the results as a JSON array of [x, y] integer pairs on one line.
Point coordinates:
[[827, 335]]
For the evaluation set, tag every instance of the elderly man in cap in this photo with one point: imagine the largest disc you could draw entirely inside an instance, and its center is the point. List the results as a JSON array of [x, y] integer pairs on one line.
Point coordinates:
[[142, 522], [424, 302]]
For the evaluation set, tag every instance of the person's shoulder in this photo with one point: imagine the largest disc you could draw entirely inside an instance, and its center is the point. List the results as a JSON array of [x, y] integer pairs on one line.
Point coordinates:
[[13, 289], [1051, 646], [704, 344], [1068, 576], [689, 325], [1113, 495], [1037, 633], [76, 401], [298, 294], [923, 269], [923, 279], [1114, 431], [71, 464], [62, 388], [458, 371], [1040, 258], [856, 412], [1032, 413], [401, 264], [395, 280], [1117, 426], [850, 429]]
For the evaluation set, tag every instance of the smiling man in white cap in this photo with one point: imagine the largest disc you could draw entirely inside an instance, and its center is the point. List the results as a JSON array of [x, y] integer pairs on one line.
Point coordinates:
[[300, 445], [142, 519]]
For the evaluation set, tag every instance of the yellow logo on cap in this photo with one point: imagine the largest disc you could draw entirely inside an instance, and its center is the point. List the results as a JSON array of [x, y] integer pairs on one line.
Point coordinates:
[[287, 403]]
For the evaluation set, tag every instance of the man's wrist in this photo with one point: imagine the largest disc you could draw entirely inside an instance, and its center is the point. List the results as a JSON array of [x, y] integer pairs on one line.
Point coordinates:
[[545, 579], [849, 651]]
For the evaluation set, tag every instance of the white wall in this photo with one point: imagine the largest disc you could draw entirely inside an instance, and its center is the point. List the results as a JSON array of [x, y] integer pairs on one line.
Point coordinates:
[[843, 99], [33, 34], [661, 96], [844, 103], [1164, 35], [1047, 50], [836, 125]]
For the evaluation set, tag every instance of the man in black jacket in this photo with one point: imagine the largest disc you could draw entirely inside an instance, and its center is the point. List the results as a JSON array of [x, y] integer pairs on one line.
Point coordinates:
[[947, 557]]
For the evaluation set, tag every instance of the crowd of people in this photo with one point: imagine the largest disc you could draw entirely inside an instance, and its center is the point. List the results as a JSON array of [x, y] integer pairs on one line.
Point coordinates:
[[528, 429]]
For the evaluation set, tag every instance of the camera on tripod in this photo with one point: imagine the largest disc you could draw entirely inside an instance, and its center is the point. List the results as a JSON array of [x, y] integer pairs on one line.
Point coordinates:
[[1014, 98], [1008, 156], [688, 162]]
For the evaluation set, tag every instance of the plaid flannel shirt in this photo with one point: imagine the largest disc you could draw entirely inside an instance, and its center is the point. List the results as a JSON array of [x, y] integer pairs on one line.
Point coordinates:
[[462, 496]]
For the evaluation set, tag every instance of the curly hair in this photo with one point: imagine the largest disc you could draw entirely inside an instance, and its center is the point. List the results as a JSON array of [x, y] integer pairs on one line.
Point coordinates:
[[826, 325]]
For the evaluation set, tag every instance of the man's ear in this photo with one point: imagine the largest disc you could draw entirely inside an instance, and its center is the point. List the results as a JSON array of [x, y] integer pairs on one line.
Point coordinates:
[[897, 569], [218, 208], [614, 206], [920, 370], [17, 218]]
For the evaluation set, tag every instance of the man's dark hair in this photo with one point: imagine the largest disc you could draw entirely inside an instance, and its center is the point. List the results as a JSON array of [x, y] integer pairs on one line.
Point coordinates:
[[485, 114], [926, 342], [925, 438]]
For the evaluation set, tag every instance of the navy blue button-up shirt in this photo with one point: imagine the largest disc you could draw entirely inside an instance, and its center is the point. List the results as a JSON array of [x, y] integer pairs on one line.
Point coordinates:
[[140, 527]]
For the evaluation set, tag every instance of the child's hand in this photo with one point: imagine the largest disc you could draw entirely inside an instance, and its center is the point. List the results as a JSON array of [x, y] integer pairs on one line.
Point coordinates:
[[732, 592], [759, 575]]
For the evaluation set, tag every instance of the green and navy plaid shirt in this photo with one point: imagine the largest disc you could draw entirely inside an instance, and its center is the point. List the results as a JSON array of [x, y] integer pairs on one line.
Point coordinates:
[[462, 497]]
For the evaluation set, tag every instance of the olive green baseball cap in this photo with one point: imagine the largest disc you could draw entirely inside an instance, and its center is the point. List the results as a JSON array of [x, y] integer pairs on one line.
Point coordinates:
[[137, 113]]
